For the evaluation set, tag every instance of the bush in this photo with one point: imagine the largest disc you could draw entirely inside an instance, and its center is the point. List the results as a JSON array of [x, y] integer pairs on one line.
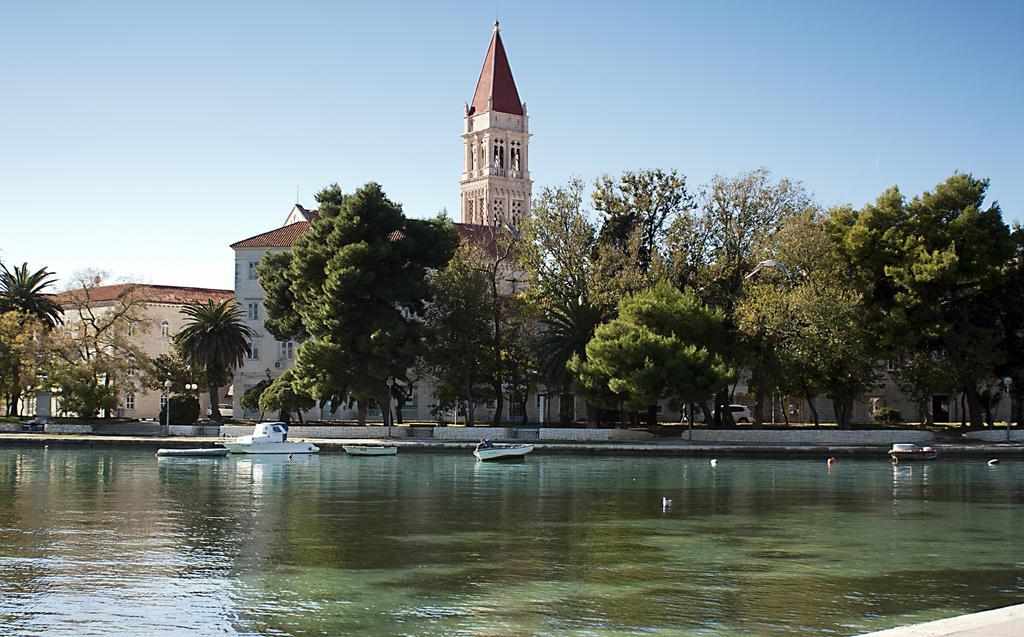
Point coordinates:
[[184, 410], [888, 416]]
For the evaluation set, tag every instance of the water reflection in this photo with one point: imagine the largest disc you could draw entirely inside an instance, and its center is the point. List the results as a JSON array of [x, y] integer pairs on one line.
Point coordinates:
[[103, 542]]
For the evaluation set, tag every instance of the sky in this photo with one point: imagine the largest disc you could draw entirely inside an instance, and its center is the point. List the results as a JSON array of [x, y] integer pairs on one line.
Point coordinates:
[[144, 138]]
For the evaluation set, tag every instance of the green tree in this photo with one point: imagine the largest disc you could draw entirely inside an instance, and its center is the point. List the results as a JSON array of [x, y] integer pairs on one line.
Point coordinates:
[[93, 347], [25, 291], [459, 333], [565, 330], [558, 242], [174, 367], [713, 249], [1007, 313], [922, 373], [21, 357], [251, 398], [354, 285], [663, 345], [800, 320], [286, 394], [184, 410], [929, 266], [638, 209], [79, 390], [214, 340]]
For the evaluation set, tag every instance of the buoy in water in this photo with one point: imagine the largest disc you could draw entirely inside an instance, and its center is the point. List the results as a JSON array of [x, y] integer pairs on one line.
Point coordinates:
[[993, 462], [714, 462], [831, 461]]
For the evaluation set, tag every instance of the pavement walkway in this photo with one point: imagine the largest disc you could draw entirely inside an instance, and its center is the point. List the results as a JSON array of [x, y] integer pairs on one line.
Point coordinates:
[[1001, 622], [655, 447]]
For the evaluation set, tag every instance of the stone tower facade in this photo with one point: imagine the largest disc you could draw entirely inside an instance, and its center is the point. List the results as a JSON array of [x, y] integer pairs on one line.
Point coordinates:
[[496, 185]]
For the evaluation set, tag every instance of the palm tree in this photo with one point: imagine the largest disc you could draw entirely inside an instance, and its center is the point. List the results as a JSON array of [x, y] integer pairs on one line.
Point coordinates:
[[566, 330], [23, 291], [216, 340]]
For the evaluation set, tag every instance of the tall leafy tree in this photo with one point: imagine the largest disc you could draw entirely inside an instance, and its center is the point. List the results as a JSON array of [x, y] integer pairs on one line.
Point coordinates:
[[22, 357], [714, 248], [25, 291], [800, 321], [663, 345], [929, 266], [353, 287], [558, 242], [286, 394], [92, 348], [637, 209], [215, 340], [459, 327], [565, 330]]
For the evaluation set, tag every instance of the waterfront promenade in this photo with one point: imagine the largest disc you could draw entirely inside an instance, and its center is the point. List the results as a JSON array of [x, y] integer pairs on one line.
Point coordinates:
[[1000, 622], [652, 447]]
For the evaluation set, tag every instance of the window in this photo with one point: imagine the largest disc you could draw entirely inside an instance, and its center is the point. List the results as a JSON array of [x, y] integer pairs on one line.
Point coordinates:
[[163, 402], [254, 349], [165, 329], [252, 270], [129, 401], [253, 310], [288, 350]]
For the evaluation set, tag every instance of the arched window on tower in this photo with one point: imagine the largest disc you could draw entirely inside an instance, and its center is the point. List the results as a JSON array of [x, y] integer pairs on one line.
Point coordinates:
[[514, 162], [499, 154]]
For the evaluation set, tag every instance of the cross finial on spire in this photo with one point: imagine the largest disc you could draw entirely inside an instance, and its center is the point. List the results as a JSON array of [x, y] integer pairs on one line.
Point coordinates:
[[496, 25]]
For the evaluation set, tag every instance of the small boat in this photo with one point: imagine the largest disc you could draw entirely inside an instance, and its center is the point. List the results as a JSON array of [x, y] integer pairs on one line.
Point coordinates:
[[204, 452], [369, 450], [269, 437], [499, 452], [912, 452]]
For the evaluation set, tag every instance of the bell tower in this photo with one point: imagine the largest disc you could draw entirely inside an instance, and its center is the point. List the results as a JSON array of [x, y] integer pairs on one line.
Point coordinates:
[[496, 185]]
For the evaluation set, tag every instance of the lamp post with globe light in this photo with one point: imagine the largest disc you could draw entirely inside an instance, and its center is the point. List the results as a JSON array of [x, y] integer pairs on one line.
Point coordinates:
[[1008, 382], [167, 419], [387, 408]]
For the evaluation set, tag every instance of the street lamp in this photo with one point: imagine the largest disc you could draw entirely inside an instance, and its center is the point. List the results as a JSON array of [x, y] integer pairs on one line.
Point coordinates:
[[167, 385], [390, 383], [1008, 382]]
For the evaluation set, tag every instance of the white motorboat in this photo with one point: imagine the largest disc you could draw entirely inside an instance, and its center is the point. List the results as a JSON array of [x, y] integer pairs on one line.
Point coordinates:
[[499, 452], [900, 452], [269, 437], [369, 450]]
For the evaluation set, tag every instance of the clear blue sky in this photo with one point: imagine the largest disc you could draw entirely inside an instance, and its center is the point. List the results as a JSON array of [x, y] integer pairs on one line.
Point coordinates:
[[143, 138]]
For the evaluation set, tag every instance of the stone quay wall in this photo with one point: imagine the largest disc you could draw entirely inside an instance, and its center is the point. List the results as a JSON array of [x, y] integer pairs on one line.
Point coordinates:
[[996, 435], [810, 436]]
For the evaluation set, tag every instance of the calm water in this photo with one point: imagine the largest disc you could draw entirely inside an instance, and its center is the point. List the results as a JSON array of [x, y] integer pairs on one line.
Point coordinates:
[[99, 542]]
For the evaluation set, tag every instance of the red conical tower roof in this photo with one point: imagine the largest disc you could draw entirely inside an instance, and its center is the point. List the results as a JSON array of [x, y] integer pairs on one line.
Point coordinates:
[[496, 83]]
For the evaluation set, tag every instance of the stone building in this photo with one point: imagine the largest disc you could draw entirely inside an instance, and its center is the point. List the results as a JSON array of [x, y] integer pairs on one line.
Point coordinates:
[[159, 319], [495, 192]]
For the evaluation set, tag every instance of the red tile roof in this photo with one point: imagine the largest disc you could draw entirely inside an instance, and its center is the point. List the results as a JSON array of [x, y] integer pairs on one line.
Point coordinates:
[[496, 83], [283, 237], [151, 293]]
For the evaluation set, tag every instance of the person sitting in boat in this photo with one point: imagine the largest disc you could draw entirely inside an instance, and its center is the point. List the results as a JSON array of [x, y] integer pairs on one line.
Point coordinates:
[[485, 444]]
